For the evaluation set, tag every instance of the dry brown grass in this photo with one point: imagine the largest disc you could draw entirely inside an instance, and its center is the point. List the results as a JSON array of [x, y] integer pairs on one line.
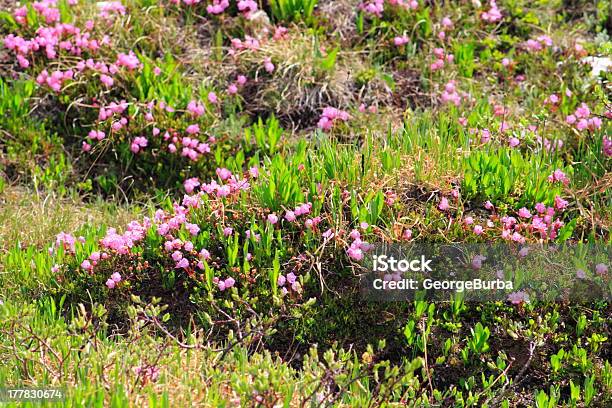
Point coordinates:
[[28, 218]]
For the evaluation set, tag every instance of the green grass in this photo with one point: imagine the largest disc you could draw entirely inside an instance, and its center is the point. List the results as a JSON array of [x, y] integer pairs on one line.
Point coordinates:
[[167, 336]]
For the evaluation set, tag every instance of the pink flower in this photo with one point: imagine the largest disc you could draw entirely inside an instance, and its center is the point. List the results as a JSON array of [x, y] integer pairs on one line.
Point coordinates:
[[560, 203], [290, 216], [106, 80], [204, 254], [399, 41], [229, 282], [524, 213], [607, 146], [86, 265], [195, 108], [193, 129], [601, 269], [488, 205], [478, 229], [116, 277], [407, 234], [227, 231], [212, 97], [443, 206], [272, 218], [580, 274], [110, 283], [518, 297], [192, 228], [281, 280], [191, 184], [513, 142], [183, 263], [468, 220], [558, 176], [477, 261], [268, 65]]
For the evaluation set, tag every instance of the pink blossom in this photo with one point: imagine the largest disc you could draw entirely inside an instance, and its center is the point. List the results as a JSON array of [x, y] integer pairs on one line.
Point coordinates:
[[524, 213], [443, 205], [193, 129], [229, 282], [601, 269], [407, 235], [268, 65], [399, 41], [478, 229], [290, 216], [183, 263], [560, 203], [518, 297], [272, 218], [116, 277], [110, 283], [212, 97]]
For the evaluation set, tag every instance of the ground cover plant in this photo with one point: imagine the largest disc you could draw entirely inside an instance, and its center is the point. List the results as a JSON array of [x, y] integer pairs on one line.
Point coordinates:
[[191, 190]]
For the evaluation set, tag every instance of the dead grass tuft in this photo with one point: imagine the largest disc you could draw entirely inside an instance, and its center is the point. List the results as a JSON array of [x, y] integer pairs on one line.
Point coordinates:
[[34, 219]]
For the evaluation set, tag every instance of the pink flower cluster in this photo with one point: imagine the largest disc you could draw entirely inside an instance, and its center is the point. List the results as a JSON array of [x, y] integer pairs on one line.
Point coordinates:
[[109, 9], [542, 223], [441, 58], [114, 279], [122, 243], [247, 7], [493, 15], [65, 241], [376, 7], [558, 176], [581, 119], [450, 94], [55, 80], [224, 284], [538, 44], [401, 40], [607, 146], [129, 60], [94, 258], [233, 185], [358, 247], [330, 116], [302, 209], [51, 40], [217, 6], [289, 282], [138, 144]]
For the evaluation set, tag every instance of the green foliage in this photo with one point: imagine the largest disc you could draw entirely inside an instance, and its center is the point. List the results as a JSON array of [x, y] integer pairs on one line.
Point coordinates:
[[507, 176], [293, 10]]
